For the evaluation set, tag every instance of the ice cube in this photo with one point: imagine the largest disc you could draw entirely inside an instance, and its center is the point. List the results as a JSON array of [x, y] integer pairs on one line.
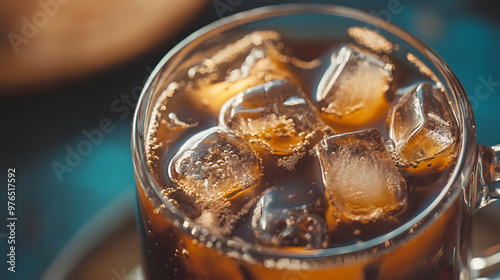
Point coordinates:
[[291, 215], [360, 178], [275, 115], [423, 129], [251, 60], [352, 93], [214, 166]]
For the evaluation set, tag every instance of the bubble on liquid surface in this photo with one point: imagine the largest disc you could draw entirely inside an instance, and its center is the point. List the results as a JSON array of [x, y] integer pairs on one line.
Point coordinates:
[[275, 115], [167, 130], [423, 129], [360, 178], [291, 215], [353, 89]]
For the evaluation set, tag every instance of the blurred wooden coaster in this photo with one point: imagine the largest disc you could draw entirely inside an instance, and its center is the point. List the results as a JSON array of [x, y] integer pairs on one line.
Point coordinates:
[[48, 41], [114, 258], [107, 246]]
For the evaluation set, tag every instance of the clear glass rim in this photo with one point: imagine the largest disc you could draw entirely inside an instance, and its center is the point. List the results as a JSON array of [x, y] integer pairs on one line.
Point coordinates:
[[376, 245]]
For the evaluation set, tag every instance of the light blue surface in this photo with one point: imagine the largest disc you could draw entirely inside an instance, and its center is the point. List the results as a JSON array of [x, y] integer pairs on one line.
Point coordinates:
[[54, 210]]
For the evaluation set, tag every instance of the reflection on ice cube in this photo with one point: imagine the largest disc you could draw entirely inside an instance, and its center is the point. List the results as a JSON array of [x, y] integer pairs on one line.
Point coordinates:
[[215, 165], [360, 178], [275, 115], [353, 89], [291, 215], [423, 129], [251, 60]]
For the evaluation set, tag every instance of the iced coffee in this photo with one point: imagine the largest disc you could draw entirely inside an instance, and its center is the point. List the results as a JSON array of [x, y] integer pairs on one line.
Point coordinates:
[[270, 144]]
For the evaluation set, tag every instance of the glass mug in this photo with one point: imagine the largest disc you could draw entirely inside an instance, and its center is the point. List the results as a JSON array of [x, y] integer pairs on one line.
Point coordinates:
[[435, 244]]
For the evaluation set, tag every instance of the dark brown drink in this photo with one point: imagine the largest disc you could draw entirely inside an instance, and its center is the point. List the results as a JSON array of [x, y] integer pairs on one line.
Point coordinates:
[[297, 148]]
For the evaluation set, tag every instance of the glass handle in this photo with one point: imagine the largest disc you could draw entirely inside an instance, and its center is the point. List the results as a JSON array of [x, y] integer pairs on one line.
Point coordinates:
[[488, 190], [489, 175]]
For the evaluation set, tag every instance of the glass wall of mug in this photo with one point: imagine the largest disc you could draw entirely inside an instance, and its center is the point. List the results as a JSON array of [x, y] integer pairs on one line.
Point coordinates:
[[432, 244]]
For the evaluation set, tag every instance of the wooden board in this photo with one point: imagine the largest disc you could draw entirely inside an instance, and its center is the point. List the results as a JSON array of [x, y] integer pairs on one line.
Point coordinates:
[[48, 41]]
